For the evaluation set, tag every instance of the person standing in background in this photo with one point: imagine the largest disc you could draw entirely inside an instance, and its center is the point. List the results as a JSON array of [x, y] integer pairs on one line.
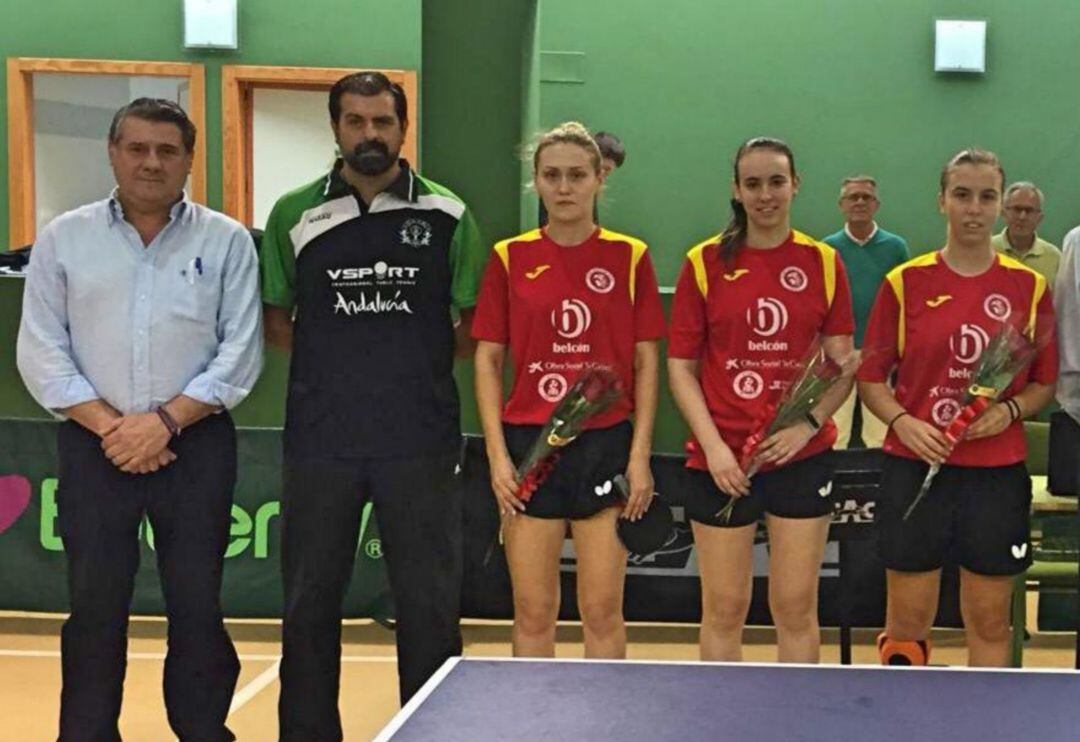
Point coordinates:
[[868, 252], [1023, 213]]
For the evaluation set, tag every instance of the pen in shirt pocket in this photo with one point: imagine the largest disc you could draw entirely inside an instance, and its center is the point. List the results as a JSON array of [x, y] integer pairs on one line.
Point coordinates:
[[194, 268]]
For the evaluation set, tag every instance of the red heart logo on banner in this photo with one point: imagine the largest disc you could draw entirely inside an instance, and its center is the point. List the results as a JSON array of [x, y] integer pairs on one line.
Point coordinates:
[[14, 499]]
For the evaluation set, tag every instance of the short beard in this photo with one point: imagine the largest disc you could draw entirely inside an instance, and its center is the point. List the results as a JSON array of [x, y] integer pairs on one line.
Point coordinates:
[[370, 158]]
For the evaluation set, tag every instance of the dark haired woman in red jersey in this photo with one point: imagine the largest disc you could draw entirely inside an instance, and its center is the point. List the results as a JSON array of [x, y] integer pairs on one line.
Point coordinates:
[[749, 304]]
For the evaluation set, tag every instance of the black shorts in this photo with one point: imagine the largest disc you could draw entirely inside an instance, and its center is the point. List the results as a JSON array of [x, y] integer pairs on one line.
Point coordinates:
[[978, 515], [579, 485], [801, 489]]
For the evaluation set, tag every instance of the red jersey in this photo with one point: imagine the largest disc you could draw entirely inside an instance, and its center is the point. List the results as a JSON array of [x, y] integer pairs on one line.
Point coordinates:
[[750, 323], [932, 324], [566, 309]]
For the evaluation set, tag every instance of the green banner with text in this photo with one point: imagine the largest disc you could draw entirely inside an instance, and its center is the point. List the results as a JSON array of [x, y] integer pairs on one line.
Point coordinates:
[[32, 565]]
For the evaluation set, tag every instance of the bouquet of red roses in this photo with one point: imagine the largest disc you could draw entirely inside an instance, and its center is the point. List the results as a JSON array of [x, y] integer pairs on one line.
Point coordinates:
[[817, 373], [593, 392], [1005, 356]]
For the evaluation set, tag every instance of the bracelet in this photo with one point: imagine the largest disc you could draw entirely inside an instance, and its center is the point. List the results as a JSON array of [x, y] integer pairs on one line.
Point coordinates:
[[170, 422], [1015, 412], [897, 417], [813, 421], [1009, 409]]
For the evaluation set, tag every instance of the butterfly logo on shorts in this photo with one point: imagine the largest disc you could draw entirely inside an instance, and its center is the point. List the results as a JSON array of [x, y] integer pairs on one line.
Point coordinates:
[[1019, 551], [736, 274], [536, 272], [826, 490], [938, 301]]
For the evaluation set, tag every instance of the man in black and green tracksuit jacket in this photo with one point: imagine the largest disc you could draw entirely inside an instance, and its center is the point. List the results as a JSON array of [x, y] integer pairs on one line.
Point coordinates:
[[361, 271]]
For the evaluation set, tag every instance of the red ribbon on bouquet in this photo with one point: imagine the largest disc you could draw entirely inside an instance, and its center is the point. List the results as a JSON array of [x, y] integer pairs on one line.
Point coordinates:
[[536, 476], [965, 417], [757, 437]]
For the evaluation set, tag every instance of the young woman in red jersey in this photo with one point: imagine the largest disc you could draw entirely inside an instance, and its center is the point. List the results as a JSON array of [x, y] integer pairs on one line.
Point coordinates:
[[932, 318], [749, 304], [561, 300]]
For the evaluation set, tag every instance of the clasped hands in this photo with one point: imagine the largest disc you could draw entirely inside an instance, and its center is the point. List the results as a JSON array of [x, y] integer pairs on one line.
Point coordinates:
[[137, 444]]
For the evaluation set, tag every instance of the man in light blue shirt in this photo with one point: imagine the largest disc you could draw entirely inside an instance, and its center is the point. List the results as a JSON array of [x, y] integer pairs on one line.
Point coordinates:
[[141, 326]]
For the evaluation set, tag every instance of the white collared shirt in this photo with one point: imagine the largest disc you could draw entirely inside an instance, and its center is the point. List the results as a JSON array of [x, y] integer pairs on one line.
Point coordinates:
[[856, 240]]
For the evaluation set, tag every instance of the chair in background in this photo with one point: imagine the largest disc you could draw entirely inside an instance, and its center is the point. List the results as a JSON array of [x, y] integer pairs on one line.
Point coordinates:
[[1054, 569]]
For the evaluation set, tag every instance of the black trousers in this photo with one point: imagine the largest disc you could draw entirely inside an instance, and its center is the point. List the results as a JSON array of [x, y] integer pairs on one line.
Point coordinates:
[[100, 509], [418, 505]]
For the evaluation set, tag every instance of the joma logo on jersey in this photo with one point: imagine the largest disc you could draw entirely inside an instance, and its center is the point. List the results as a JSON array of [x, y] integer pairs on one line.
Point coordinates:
[[938, 301], [379, 270], [736, 274]]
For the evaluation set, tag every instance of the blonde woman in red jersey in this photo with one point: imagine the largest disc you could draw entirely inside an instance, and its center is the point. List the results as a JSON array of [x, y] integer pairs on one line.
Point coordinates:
[[931, 320], [749, 304], [561, 300]]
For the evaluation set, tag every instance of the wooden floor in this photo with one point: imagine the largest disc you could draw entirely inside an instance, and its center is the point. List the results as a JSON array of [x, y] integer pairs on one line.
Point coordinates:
[[30, 670]]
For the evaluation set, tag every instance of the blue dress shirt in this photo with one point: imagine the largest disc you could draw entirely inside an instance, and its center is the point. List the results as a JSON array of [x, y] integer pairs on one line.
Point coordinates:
[[105, 317]]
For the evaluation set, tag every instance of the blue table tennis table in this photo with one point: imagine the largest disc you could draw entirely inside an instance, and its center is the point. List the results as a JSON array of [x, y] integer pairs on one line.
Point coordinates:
[[518, 700]]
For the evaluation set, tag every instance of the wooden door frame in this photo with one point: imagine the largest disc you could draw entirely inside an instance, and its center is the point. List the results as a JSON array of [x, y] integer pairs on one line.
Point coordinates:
[[22, 220], [238, 84]]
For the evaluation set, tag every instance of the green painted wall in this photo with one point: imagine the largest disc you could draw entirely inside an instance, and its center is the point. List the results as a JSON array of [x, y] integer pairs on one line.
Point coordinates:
[[472, 97], [850, 85], [473, 94], [530, 113]]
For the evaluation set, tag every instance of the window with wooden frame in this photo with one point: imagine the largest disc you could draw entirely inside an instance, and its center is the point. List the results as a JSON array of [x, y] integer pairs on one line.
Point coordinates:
[[24, 168], [239, 85]]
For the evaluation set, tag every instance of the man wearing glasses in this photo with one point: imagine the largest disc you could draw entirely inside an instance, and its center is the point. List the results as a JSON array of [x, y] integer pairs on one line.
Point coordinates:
[[868, 252], [1023, 213]]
